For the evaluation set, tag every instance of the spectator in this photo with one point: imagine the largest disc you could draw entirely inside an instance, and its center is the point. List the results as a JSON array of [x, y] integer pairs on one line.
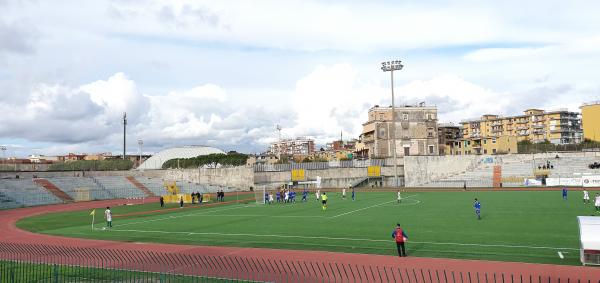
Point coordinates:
[[181, 202], [162, 202]]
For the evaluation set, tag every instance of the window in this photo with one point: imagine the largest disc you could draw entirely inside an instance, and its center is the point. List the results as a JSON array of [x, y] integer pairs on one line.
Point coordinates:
[[405, 117], [485, 151], [431, 148], [484, 141], [494, 140], [494, 151]]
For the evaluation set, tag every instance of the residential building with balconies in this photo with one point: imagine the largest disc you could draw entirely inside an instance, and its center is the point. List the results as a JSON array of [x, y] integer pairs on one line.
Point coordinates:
[[536, 125], [590, 119]]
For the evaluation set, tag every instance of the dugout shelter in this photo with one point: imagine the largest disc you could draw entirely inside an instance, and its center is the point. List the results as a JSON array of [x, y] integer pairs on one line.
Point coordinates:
[[589, 234]]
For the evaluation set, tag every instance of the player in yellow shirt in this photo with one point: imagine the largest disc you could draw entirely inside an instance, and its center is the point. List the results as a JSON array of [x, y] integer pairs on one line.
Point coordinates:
[[324, 200]]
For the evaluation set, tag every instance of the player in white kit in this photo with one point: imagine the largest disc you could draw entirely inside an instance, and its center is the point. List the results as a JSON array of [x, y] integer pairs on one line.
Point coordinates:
[[586, 196]]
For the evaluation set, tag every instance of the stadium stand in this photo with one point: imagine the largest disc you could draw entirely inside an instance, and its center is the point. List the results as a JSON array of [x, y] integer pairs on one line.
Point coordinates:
[[53, 189], [118, 186], [20, 193], [515, 168], [74, 186]]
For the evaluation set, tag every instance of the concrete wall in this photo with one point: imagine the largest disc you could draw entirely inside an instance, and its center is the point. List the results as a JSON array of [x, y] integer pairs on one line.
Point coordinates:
[[423, 169], [238, 177], [49, 174]]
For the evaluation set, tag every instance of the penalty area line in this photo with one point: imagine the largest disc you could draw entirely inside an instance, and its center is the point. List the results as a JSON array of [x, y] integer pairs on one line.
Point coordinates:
[[361, 209]]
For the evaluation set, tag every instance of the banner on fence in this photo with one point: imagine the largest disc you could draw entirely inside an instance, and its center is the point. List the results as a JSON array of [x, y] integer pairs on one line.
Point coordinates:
[[591, 181], [532, 182], [569, 182]]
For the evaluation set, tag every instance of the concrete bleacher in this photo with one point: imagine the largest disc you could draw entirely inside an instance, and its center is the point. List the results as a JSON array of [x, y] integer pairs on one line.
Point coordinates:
[[157, 186], [517, 167], [20, 193], [119, 187], [73, 186]]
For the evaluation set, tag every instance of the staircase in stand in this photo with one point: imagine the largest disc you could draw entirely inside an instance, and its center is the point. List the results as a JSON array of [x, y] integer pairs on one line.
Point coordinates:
[[140, 186], [54, 190]]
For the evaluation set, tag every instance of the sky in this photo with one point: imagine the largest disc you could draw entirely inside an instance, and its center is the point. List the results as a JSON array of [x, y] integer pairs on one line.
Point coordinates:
[[225, 73]]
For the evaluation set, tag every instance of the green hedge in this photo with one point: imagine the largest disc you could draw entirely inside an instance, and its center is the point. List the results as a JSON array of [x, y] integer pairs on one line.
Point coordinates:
[[231, 158]]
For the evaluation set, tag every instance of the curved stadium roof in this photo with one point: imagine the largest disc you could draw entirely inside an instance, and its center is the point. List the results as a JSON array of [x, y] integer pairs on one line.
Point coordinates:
[[157, 160]]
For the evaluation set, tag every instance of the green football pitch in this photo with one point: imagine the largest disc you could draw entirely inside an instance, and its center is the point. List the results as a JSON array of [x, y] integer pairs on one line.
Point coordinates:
[[520, 226]]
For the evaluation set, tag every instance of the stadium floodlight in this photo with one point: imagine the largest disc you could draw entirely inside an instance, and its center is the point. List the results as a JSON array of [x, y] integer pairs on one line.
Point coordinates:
[[140, 143], [391, 66]]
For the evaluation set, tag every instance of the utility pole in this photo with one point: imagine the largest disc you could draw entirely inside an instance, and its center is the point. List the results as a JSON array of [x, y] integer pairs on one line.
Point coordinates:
[[278, 127], [391, 66], [124, 134], [140, 143]]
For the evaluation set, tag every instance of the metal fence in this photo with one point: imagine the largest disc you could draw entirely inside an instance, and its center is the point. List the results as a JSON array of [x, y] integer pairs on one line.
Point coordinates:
[[321, 165], [43, 263]]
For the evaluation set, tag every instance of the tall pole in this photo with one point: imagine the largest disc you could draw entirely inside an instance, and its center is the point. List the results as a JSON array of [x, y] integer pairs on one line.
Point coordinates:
[[392, 66], [141, 143], [395, 146], [124, 133]]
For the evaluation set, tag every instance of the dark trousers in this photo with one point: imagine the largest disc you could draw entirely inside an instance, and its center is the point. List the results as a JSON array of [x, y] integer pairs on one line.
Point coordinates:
[[401, 249]]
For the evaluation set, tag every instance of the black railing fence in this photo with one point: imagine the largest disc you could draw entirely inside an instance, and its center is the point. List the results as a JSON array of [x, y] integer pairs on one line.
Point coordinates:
[[47, 263]]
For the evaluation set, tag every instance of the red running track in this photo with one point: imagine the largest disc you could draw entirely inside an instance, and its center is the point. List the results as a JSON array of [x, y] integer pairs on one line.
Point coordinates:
[[263, 264]]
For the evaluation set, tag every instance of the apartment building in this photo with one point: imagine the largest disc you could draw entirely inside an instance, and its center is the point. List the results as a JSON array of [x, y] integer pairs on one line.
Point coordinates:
[[415, 131], [535, 125], [298, 146], [449, 134], [590, 119]]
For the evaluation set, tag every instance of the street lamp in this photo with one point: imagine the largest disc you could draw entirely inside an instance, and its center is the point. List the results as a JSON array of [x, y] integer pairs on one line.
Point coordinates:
[[140, 143], [391, 66]]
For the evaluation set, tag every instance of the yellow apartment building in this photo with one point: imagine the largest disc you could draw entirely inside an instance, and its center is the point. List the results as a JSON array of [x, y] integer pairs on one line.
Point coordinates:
[[590, 119], [535, 125], [487, 145]]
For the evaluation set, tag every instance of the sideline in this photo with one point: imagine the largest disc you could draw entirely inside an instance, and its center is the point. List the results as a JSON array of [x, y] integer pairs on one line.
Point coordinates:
[[334, 238]]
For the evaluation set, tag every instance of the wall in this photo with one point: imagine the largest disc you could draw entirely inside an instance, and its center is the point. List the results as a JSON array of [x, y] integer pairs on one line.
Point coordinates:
[[238, 177], [590, 116], [48, 174], [422, 169]]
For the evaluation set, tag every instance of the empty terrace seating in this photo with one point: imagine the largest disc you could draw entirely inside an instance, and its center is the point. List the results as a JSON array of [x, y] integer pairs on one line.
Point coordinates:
[[19, 193], [81, 188], [119, 187], [155, 185]]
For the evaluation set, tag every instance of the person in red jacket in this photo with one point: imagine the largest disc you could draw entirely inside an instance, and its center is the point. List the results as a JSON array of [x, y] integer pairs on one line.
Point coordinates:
[[400, 236]]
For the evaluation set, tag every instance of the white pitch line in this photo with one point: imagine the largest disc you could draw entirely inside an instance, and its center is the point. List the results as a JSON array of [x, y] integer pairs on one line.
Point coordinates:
[[360, 209], [336, 238], [179, 216]]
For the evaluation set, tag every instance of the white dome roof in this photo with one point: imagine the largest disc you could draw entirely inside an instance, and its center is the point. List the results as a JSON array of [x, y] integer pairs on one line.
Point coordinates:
[[157, 160]]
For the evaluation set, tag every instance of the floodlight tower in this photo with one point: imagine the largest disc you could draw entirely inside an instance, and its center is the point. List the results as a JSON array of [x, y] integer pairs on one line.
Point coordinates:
[[124, 134], [391, 66], [278, 127], [140, 143]]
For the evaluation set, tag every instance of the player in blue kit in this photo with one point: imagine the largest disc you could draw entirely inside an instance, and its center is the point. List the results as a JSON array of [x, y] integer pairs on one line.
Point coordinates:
[[304, 195], [352, 193], [278, 196], [477, 206], [564, 193]]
